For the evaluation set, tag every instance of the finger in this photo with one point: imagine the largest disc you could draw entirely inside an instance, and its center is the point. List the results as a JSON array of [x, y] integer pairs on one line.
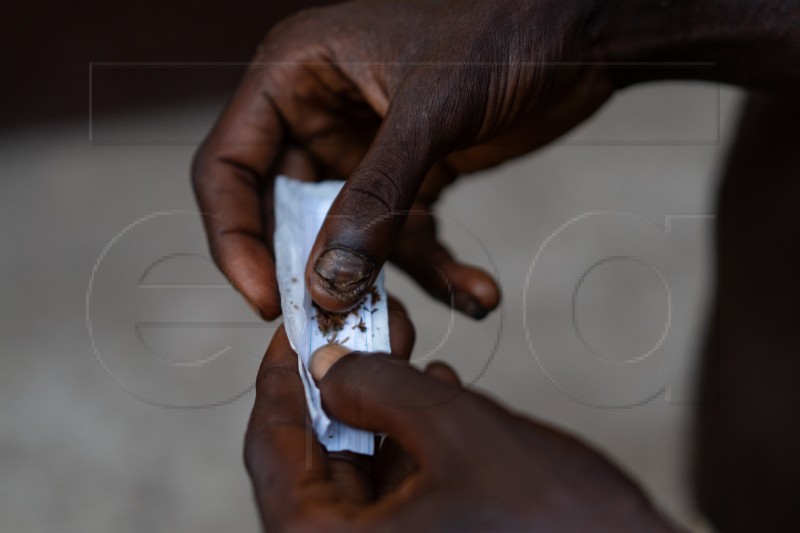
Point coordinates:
[[324, 357], [442, 372], [378, 393], [418, 252], [352, 474], [401, 330], [282, 454], [392, 464], [421, 255], [367, 215], [229, 174]]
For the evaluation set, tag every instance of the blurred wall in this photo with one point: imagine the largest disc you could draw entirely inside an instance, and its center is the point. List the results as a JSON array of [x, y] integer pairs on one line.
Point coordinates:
[[47, 47]]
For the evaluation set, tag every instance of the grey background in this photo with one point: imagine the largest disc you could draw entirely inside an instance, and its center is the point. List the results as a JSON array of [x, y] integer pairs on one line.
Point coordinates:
[[79, 451]]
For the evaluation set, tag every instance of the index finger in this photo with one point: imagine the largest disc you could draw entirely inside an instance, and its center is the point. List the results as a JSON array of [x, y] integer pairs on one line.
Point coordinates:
[[229, 174], [282, 455]]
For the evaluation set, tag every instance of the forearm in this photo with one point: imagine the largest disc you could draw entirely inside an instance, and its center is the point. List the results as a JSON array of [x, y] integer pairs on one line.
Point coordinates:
[[753, 43]]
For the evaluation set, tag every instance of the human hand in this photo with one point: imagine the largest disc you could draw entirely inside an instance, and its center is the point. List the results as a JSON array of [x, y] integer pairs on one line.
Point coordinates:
[[471, 465], [398, 97]]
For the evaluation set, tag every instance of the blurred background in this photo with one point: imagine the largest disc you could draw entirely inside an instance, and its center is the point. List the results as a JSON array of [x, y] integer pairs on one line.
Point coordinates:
[[127, 362]]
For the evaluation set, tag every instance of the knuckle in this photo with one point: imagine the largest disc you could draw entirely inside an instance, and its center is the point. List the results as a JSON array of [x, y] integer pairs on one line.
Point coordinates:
[[377, 195], [446, 117], [386, 184], [257, 454], [274, 377], [300, 20], [293, 34], [300, 40], [251, 452], [199, 167], [260, 462]]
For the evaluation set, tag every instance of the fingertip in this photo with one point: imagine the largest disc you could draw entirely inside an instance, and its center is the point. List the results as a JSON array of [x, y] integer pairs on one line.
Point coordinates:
[[442, 372], [475, 293], [324, 357], [484, 288], [264, 312], [271, 314], [338, 278], [469, 305], [265, 304], [402, 333], [270, 310], [468, 289], [250, 269]]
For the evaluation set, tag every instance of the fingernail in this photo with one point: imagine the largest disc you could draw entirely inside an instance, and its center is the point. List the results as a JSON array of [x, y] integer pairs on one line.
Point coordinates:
[[323, 358], [344, 273], [467, 304]]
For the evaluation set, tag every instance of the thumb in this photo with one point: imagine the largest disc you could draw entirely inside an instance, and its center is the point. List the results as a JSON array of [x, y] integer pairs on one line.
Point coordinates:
[[366, 217], [384, 394]]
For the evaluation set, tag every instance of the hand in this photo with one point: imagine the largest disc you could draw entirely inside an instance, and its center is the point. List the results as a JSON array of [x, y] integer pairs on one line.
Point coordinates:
[[398, 97], [470, 465]]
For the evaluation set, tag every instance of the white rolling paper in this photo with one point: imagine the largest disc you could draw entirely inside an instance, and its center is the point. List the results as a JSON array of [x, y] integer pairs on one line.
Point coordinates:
[[300, 209]]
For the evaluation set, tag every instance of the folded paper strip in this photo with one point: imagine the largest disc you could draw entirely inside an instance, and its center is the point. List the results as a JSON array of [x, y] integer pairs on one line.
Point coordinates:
[[300, 209]]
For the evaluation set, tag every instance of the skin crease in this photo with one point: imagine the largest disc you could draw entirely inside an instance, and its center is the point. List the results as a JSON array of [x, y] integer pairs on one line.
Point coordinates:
[[346, 92], [400, 98]]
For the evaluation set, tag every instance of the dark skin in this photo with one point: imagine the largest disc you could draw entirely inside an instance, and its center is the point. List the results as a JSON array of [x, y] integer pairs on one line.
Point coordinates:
[[747, 466], [347, 92], [358, 91], [401, 97], [520, 475]]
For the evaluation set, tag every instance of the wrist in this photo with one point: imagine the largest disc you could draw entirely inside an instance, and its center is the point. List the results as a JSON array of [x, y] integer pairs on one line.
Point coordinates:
[[748, 42]]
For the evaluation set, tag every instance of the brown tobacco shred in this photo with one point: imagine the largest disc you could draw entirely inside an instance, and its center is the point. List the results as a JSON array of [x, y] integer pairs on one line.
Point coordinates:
[[332, 323], [375, 296], [329, 322]]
